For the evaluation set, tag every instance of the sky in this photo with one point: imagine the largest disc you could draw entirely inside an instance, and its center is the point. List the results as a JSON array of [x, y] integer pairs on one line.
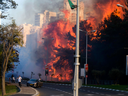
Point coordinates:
[[26, 9], [24, 13]]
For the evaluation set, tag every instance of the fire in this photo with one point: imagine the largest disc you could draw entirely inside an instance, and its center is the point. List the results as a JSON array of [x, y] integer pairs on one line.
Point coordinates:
[[103, 10], [60, 30], [110, 7]]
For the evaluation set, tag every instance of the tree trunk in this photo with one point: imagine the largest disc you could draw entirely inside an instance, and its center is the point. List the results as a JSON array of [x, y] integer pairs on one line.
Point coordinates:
[[3, 84]]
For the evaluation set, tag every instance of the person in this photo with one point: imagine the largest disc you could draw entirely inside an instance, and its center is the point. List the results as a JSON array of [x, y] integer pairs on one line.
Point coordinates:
[[13, 79], [39, 79], [19, 80]]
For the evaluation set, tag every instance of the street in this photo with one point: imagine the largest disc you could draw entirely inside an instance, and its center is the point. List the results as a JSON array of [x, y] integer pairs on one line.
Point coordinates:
[[66, 90]]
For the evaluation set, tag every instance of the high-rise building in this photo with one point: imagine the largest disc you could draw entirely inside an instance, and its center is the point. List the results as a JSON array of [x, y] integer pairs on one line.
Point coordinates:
[[42, 19], [29, 29], [39, 19], [49, 16]]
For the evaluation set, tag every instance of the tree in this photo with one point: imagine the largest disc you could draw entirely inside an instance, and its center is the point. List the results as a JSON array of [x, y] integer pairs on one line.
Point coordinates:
[[115, 74], [108, 49], [51, 76], [97, 74], [32, 74], [10, 37], [7, 4]]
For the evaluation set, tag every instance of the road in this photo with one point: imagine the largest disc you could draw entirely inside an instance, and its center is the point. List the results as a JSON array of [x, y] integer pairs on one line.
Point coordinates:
[[66, 90]]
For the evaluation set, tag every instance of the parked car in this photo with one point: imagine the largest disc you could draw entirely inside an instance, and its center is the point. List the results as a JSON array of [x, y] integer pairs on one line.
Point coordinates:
[[34, 83]]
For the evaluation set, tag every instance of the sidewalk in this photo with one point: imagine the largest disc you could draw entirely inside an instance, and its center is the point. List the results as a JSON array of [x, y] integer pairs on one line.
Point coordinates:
[[25, 91]]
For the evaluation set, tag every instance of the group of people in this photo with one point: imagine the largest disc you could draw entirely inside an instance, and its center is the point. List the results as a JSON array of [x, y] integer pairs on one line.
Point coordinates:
[[13, 79], [19, 79]]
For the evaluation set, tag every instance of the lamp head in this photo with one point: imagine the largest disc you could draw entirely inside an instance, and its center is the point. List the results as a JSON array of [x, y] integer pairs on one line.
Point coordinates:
[[119, 5], [93, 31]]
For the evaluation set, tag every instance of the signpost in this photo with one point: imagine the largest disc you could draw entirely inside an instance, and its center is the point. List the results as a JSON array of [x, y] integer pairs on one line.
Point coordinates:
[[86, 67], [46, 71], [86, 70]]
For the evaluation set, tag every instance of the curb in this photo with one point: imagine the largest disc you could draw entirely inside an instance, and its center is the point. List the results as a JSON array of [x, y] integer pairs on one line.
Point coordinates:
[[94, 87], [37, 93], [106, 89], [20, 90]]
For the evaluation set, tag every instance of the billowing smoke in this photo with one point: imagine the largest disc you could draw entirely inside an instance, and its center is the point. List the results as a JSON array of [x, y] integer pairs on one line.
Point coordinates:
[[61, 49]]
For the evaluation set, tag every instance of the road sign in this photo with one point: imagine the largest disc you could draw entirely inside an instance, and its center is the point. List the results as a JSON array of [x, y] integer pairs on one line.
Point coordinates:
[[46, 72], [86, 67], [46, 67], [72, 5]]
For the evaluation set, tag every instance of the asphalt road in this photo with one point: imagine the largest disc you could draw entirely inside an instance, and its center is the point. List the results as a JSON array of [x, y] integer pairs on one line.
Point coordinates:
[[66, 90]]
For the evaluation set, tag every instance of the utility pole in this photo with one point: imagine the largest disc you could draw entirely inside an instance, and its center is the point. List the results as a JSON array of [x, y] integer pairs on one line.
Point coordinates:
[[76, 73], [86, 56]]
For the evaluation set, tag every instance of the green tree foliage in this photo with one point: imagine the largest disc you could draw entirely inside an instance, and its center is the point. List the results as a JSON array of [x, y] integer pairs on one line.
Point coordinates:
[[10, 37], [5, 5]]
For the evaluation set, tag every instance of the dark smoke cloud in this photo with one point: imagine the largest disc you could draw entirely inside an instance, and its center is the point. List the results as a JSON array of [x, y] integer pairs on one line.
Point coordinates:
[[51, 5]]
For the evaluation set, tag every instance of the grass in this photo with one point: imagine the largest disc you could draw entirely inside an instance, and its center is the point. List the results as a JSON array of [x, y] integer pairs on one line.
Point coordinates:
[[118, 87], [10, 89]]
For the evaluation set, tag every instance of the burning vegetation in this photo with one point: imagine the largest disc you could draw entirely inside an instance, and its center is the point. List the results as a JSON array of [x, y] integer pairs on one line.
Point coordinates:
[[61, 49]]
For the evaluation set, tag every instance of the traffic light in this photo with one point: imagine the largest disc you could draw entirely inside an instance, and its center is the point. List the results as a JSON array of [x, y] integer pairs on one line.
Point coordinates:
[[72, 5], [46, 72]]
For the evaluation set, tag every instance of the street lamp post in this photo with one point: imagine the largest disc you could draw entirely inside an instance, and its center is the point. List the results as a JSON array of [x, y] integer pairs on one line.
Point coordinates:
[[47, 56], [76, 73], [86, 52]]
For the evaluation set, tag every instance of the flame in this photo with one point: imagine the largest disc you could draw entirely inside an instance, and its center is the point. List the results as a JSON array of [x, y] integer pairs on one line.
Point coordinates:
[[110, 7], [60, 29], [103, 11]]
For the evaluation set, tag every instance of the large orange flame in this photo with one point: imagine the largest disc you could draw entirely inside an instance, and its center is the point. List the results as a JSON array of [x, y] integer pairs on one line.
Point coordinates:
[[59, 31], [61, 28], [103, 11]]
